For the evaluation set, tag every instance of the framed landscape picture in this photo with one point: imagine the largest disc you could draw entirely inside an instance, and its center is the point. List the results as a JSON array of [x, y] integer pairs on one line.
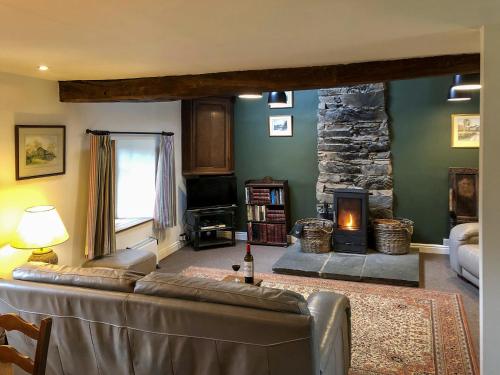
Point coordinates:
[[465, 130], [288, 104], [280, 126], [40, 151]]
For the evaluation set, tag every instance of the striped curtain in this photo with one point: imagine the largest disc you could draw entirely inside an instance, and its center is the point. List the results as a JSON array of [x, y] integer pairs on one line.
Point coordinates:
[[165, 200], [100, 236]]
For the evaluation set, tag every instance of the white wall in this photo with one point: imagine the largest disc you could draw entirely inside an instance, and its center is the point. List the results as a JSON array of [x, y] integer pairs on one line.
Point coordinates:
[[489, 206], [32, 101]]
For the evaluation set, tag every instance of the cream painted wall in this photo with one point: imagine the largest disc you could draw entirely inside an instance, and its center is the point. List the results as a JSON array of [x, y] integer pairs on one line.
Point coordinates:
[[489, 206], [33, 101]]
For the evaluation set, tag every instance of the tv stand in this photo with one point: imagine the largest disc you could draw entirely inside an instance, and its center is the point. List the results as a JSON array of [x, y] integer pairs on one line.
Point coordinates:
[[212, 227]]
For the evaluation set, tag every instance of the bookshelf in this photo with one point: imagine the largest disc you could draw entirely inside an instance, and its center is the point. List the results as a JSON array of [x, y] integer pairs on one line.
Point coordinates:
[[268, 211]]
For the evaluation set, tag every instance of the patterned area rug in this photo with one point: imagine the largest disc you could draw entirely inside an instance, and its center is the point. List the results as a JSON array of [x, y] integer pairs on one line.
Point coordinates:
[[395, 330]]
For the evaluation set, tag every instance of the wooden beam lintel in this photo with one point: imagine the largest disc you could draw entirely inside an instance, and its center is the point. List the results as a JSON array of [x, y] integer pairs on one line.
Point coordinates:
[[231, 83]]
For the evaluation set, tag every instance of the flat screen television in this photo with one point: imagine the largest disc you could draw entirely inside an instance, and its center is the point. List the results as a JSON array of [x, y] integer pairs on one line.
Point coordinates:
[[210, 191]]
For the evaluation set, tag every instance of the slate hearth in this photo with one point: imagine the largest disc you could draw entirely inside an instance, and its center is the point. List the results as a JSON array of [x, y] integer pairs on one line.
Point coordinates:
[[372, 267]]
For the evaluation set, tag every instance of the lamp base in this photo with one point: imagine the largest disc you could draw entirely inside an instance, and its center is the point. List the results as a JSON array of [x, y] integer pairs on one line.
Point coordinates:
[[44, 255]]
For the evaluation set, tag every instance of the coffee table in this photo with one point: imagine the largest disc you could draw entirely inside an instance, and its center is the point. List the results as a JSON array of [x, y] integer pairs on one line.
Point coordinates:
[[241, 279]]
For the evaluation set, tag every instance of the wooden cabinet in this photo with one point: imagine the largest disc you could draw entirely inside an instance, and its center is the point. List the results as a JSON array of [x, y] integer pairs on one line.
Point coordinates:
[[207, 136]]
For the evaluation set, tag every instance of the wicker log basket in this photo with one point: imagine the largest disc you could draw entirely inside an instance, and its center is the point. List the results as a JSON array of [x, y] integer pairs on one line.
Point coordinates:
[[393, 236], [316, 235]]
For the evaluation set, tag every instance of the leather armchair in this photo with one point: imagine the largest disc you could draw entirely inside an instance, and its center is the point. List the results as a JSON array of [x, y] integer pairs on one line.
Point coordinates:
[[464, 251]]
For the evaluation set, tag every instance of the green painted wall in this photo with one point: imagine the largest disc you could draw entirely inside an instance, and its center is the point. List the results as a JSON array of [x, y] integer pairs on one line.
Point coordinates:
[[422, 153], [293, 158], [420, 130]]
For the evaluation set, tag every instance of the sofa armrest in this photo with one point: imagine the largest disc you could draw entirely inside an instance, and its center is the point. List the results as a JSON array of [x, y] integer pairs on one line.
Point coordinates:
[[332, 331], [460, 235]]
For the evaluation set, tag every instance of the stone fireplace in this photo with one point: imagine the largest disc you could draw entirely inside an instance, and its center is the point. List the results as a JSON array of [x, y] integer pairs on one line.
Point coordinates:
[[354, 146]]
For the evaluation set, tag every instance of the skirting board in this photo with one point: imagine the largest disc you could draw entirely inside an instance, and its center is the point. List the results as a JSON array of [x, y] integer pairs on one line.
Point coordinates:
[[241, 236], [423, 247], [164, 252]]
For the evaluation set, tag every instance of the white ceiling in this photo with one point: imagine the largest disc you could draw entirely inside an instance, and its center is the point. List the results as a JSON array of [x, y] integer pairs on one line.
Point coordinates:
[[99, 39]]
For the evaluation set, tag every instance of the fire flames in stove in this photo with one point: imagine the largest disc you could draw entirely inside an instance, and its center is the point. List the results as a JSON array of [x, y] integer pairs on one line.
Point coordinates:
[[349, 219], [349, 225]]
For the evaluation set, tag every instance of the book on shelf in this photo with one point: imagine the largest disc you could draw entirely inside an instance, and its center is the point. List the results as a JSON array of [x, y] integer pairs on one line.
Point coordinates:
[[274, 233], [263, 196], [275, 216], [276, 196], [256, 213]]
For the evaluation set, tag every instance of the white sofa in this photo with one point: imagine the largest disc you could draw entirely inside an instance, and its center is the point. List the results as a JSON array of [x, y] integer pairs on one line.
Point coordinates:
[[464, 251]]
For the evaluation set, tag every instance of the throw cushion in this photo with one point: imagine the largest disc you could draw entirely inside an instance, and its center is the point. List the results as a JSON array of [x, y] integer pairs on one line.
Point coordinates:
[[228, 293], [94, 278]]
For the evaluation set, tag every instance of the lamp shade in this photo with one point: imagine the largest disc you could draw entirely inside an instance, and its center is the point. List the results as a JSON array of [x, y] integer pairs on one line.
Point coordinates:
[[458, 96], [40, 227], [466, 82], [276, 97]]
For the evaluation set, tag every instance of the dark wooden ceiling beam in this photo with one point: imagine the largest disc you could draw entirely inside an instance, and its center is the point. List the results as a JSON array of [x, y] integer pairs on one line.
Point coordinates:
[[231, 83]]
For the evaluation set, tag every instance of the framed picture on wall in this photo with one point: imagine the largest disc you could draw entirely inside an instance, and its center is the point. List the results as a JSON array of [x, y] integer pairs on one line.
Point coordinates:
[[463, 195], [280, 126], [40, 151], [465, 131], [288, 104]]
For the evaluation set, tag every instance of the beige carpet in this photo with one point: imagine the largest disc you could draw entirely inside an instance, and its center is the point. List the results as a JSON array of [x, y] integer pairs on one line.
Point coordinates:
[[395, 330]]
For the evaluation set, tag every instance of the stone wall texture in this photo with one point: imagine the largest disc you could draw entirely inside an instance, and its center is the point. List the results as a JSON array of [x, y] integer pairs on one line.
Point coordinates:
[[354, 145]]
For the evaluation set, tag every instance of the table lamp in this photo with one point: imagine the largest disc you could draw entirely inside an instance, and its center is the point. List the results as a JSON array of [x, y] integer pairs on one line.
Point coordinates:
[[40, 227]]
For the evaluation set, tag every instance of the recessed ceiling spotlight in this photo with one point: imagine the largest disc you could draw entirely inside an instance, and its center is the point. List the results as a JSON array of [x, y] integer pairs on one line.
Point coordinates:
[[43, 68], [250, 96]]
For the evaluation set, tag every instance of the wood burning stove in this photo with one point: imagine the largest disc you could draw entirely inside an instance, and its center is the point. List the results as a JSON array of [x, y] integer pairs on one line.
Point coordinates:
[[350, 217]]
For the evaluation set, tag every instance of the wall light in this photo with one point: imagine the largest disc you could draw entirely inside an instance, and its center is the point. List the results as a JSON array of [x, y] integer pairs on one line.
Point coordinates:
[[457, 95], [250, 96], [43, 68], [464, 82], [276, 97]]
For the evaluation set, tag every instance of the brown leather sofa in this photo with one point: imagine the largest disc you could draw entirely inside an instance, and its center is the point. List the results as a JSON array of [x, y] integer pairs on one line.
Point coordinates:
[[108, 321]]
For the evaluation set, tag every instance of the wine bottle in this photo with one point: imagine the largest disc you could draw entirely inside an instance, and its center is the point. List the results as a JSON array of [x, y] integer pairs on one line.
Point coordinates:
[[248, 266]]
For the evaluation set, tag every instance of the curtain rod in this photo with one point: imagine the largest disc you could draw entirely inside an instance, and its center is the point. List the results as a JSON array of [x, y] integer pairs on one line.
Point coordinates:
[[107, 132]]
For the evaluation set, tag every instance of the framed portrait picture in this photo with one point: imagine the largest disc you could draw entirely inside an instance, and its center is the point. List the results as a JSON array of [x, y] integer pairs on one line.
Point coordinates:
[[280, 126], [465, 131], [464, 195], [40, 151], [288, 104]]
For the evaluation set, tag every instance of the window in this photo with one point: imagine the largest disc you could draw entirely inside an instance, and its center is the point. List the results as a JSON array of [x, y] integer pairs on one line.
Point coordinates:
[[135, 159]]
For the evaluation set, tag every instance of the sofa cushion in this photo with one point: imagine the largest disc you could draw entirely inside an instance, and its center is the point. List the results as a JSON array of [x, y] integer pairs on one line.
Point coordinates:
[[94, 278], [463, 232], [468, 258], [129, 259], [228, 293]]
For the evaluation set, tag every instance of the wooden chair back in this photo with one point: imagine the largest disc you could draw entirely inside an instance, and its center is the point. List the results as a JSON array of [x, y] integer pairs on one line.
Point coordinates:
[[9, 355]]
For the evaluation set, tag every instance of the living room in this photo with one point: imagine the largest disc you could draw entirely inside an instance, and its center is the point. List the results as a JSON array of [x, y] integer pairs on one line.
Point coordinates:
[[405, 169]]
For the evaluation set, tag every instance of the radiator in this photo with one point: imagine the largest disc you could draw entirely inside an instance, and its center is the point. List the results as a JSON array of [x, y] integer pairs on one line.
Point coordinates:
[[149, 244]]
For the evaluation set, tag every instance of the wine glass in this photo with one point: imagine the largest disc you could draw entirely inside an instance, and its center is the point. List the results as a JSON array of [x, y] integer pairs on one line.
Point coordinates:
[[236, 267]]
